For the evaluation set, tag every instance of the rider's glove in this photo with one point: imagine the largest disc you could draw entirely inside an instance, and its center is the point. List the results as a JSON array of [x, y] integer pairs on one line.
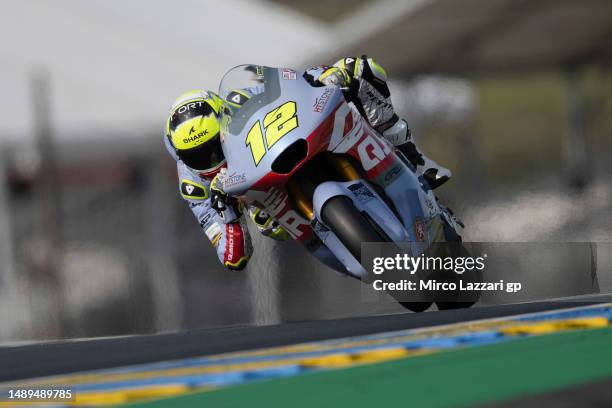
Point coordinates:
[[335, 76], [219, 198], [228, 207]]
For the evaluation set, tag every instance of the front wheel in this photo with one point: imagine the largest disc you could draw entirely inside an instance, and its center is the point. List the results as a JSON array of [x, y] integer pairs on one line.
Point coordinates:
[[352, 228]]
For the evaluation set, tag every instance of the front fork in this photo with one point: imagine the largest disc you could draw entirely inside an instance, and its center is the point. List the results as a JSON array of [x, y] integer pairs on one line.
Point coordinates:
[[303, 203], [365, 199]]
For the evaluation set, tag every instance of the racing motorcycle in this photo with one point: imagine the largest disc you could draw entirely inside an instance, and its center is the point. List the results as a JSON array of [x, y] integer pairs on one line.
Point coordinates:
[[305, 155]]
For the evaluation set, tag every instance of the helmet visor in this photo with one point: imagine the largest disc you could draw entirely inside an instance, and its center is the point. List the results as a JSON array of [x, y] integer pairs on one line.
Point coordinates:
[[188, 111], [204, 157]]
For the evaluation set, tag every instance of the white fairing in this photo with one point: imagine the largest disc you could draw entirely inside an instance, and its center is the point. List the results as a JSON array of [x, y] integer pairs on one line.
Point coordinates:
[[326, 121], [365, 200]]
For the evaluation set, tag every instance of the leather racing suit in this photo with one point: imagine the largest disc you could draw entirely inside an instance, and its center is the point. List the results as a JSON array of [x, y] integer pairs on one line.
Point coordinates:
[[230, 239]]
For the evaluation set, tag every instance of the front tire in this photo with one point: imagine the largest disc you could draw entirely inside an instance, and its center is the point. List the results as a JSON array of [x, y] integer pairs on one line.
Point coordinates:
[[352, 228]]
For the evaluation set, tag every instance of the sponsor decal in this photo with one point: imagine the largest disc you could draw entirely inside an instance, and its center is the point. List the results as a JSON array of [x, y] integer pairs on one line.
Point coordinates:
[[419, 230], [234, 241], [361, 191], [371, 153], [230, 242], [234, 179], [292, 221], [206, 218], [212, 231], [275, 203], [321, 101], [392, 174], [190, 139], [289, 74], [188, 106]]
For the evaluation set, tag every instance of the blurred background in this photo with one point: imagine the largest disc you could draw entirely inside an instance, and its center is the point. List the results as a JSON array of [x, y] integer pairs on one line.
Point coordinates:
[[514, 96]]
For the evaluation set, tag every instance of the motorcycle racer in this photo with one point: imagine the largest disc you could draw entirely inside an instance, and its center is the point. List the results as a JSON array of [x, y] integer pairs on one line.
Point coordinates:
[[192, 139]]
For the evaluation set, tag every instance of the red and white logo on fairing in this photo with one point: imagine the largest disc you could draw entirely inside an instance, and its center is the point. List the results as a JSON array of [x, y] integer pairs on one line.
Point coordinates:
[[289, 74], [275, 203], [371, 152]]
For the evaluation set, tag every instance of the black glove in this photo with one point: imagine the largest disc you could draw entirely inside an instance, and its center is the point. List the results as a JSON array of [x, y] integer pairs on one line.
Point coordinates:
[[227, 206], [219, 199]]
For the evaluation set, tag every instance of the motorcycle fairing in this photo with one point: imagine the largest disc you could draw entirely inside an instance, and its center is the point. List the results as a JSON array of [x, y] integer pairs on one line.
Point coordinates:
[[327, 123]]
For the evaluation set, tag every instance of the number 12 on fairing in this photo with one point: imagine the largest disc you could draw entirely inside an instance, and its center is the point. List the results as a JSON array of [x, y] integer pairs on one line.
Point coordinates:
[[276, 124]]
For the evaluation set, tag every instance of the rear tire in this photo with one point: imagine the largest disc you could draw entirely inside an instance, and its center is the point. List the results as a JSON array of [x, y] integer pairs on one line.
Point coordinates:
[[471, 276], [352, 228]]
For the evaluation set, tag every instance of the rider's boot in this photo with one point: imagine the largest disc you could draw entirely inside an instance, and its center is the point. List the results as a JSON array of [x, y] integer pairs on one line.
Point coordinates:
[[400, 136]]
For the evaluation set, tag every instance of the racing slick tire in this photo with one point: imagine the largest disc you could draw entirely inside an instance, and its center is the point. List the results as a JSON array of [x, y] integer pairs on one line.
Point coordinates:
[[471, 276], [352, 228]]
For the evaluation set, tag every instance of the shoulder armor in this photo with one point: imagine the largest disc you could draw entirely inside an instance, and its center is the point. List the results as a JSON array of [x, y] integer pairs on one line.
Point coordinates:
[[191, 190]]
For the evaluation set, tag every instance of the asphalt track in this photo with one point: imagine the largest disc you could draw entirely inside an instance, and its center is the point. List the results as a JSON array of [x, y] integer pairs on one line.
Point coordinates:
[[63, 357]]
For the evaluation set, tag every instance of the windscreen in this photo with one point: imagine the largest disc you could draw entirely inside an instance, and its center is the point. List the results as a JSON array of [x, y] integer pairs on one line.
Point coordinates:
[[245, 89]]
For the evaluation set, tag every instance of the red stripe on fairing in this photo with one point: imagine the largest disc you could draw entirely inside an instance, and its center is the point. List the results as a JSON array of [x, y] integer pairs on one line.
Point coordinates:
[[348, 123], [320, 138], [234, 242]]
